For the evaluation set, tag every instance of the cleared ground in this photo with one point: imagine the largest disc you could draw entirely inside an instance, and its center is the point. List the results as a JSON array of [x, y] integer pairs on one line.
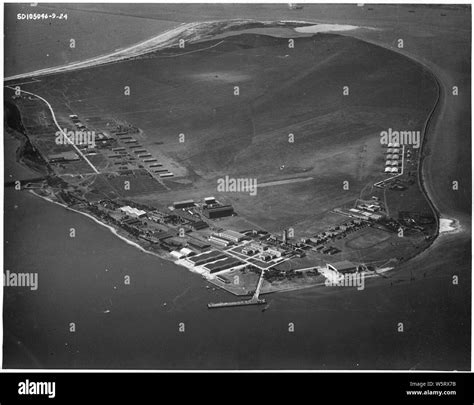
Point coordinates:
[[282, 91]]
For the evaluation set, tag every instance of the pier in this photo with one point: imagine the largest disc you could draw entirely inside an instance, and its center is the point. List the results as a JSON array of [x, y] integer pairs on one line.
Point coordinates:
[[252, 301]]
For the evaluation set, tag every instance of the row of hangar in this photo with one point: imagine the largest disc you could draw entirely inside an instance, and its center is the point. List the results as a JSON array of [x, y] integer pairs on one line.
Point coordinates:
[[392, 161]]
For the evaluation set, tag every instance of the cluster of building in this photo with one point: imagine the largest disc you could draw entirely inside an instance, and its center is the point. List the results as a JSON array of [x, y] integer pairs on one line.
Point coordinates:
[[392, 158], [263, 252], [133, 150], [164, 229], [187, 211], [211, 208], [371, 210], [159, 229], [126, 155], [286, 245], [318, 242], [101, 140], [327, 250], [77, 122]]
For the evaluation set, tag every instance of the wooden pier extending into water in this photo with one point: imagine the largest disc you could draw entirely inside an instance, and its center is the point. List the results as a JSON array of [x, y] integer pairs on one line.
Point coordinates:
[[251, 301]]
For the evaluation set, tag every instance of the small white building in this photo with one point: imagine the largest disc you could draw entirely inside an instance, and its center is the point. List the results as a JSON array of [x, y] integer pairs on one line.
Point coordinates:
[[133, 212], [176, 255], [185, 252]]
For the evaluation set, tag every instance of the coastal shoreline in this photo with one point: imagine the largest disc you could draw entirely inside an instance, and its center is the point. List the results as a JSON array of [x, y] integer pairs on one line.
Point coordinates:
[[195, 32], [109, 227]]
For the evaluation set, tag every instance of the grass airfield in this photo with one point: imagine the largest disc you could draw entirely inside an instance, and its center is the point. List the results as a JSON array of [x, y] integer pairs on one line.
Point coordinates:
[[282, 91]]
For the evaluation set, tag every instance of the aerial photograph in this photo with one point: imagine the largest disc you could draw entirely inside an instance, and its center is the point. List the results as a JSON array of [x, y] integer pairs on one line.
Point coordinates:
[[237, 186]]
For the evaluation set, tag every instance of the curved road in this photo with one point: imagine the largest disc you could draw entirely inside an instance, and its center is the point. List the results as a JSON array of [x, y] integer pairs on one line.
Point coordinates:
[[58, 126]]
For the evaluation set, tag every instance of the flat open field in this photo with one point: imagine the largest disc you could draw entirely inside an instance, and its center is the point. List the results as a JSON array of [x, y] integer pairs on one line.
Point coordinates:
[[282, 91]]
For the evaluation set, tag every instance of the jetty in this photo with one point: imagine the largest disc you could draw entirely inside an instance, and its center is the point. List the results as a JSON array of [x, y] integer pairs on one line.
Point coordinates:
[[251, 301]]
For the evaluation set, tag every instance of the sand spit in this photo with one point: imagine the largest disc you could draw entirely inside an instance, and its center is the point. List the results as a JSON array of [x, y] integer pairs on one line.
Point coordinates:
[[190, 33], [314, 29], [447, 225]]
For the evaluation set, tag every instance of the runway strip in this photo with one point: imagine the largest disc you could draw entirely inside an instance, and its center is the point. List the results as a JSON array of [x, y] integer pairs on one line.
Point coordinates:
[[281, 182]]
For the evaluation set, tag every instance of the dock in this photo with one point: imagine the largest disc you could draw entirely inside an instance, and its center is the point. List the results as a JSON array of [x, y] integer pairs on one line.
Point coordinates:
[[251, 301]]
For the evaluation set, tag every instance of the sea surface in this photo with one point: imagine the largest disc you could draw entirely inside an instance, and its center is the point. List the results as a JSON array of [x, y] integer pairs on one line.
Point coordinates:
[[80, 278]]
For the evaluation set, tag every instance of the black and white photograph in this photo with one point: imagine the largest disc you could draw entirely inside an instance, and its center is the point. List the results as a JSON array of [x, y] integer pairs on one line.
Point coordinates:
[[236, 187]]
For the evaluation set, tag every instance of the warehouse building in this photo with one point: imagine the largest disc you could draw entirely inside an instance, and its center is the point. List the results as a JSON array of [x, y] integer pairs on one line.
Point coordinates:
[[63, 157], [218, 212], [199, 225], [343, 267], [209, 200], [197, 244], [231, 236], [207, 257], [183, 204], [221, 265], [219, 241]]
